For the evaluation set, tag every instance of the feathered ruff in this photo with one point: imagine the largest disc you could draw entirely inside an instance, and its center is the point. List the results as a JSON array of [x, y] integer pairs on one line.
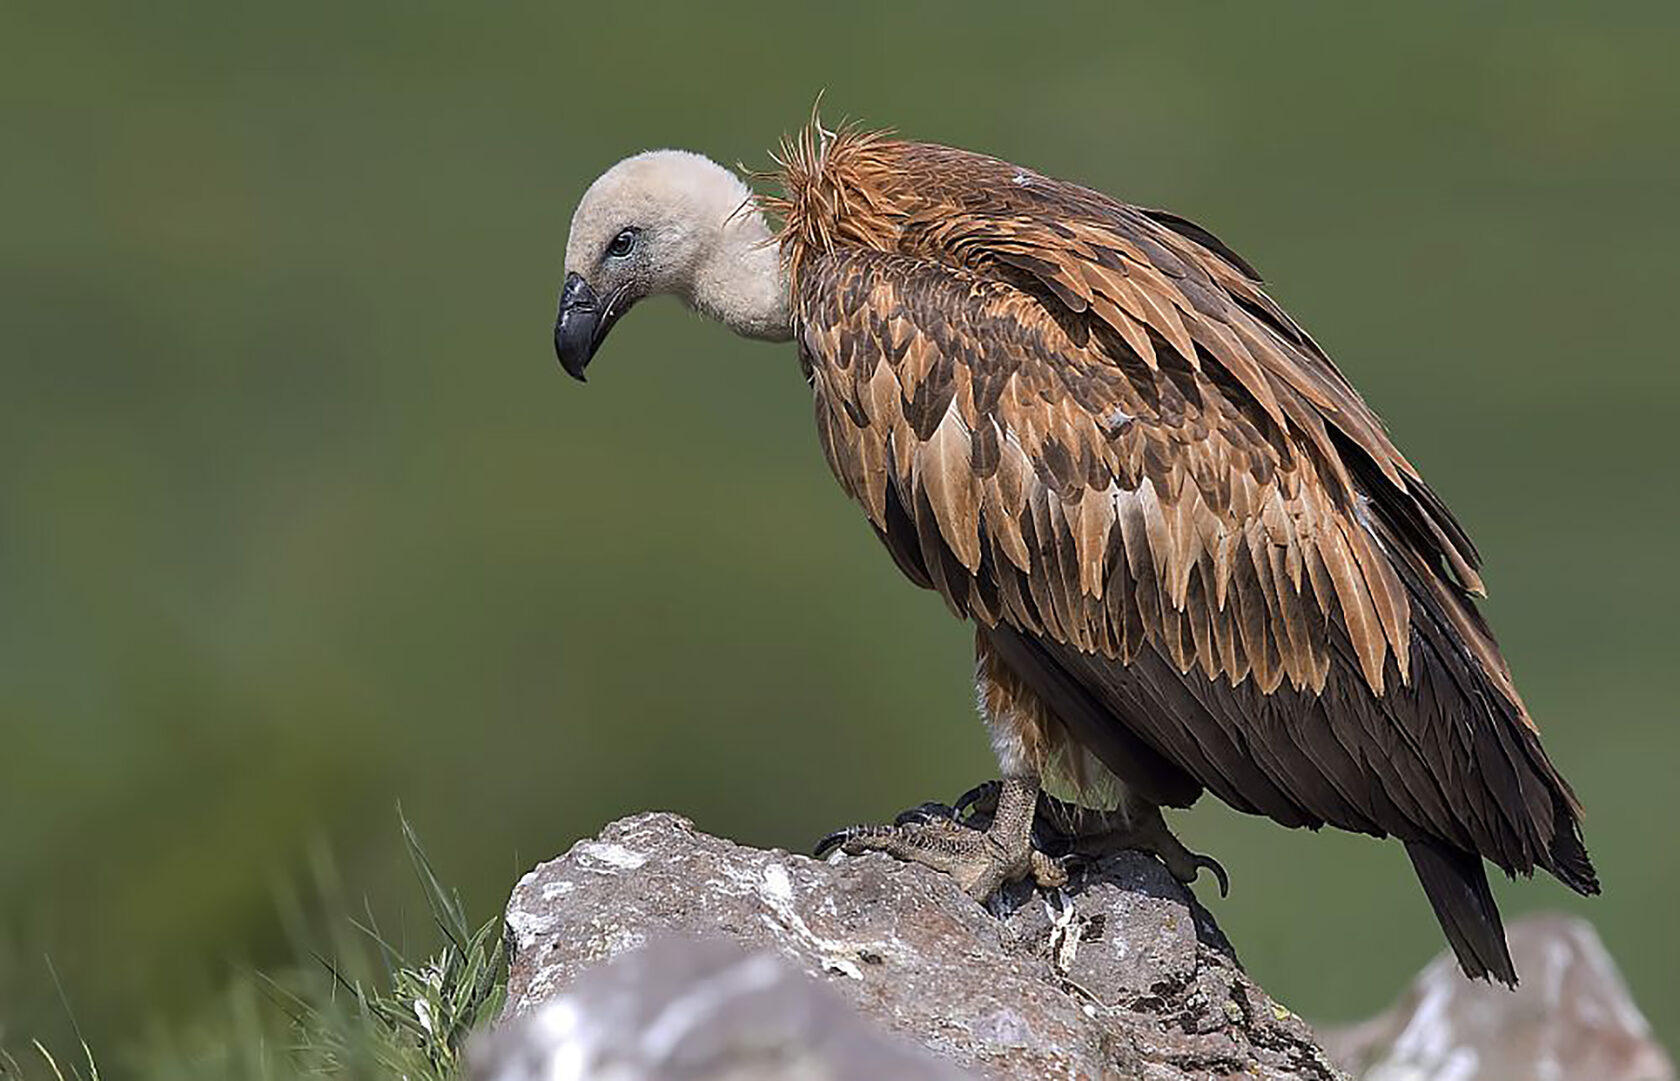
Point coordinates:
[[821, 204]]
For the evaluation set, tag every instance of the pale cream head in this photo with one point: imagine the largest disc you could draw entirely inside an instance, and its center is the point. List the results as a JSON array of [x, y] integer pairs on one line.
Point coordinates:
[[675, 222]]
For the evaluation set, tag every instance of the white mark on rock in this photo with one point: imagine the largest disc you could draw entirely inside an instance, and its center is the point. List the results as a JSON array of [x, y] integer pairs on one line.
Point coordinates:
[[611, 855], [845, 966], [527, 926], [778, 887], [742, 880], [1065, 931], [834, 955]]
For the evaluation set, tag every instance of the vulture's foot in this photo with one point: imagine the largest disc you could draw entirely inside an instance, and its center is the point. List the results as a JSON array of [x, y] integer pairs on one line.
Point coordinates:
[[1146, 830], [981, 860], [1084, 834]]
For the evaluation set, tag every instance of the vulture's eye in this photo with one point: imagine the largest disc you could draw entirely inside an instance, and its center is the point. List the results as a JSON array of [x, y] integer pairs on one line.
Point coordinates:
[[622, 243]]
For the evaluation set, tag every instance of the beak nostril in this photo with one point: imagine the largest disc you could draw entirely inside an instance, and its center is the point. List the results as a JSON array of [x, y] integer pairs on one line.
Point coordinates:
[[576, 293]]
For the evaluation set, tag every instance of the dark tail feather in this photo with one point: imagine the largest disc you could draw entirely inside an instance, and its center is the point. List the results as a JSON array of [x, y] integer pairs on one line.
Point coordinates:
[[1457, 886], [1570, 862]]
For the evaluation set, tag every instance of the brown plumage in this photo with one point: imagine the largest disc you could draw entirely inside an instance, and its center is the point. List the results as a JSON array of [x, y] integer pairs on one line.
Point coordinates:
[[1088, 428]]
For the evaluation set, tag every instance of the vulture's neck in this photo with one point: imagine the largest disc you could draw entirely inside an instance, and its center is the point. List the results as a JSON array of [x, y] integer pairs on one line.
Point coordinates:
[[742, 284]]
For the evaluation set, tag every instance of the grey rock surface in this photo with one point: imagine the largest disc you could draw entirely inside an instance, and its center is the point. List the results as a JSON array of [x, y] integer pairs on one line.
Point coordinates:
[[700, 1009], [1570, 1019], [1123, 976]]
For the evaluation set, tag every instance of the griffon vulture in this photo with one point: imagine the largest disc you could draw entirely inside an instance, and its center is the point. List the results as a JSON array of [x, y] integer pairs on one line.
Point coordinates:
[[1192, 556]]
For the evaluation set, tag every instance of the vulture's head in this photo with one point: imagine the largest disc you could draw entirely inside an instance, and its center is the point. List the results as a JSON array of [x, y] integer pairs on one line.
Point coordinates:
[[668, 222]]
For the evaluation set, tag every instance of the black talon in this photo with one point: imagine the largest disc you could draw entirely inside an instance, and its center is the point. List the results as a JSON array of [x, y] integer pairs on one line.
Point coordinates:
[[923, 813], [825, 847], [982, 798], [1218, 872]]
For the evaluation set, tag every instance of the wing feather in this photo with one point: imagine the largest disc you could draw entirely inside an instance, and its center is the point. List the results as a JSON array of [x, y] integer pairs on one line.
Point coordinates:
[[943, 469]]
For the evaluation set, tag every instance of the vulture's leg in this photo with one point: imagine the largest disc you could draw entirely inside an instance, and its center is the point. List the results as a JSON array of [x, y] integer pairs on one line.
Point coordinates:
[[980, 860]]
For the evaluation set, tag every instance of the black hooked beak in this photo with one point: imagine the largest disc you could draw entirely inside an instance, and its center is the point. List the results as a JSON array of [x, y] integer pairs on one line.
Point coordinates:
[[582, 323]]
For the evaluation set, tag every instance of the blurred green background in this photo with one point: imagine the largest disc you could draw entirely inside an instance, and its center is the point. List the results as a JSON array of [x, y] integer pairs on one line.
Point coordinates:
[[298, 517]]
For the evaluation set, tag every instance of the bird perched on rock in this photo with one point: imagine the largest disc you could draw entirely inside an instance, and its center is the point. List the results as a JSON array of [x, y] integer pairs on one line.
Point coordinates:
[[1193, 558]]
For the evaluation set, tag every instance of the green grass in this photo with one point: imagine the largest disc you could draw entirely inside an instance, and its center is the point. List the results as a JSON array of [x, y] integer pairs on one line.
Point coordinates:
[[50, 1066], [356, 1005]]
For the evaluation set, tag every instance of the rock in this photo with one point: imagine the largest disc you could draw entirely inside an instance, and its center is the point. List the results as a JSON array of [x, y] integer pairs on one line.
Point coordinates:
[[700, 1010], [1570, 1019], [1123, 976]]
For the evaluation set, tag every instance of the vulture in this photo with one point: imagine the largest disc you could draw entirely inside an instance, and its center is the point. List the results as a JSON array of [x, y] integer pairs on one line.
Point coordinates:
[[1192, 556]]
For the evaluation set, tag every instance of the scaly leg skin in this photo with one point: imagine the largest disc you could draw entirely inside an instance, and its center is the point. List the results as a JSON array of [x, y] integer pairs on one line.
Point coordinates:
[[980, 860], [1085, 834]]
